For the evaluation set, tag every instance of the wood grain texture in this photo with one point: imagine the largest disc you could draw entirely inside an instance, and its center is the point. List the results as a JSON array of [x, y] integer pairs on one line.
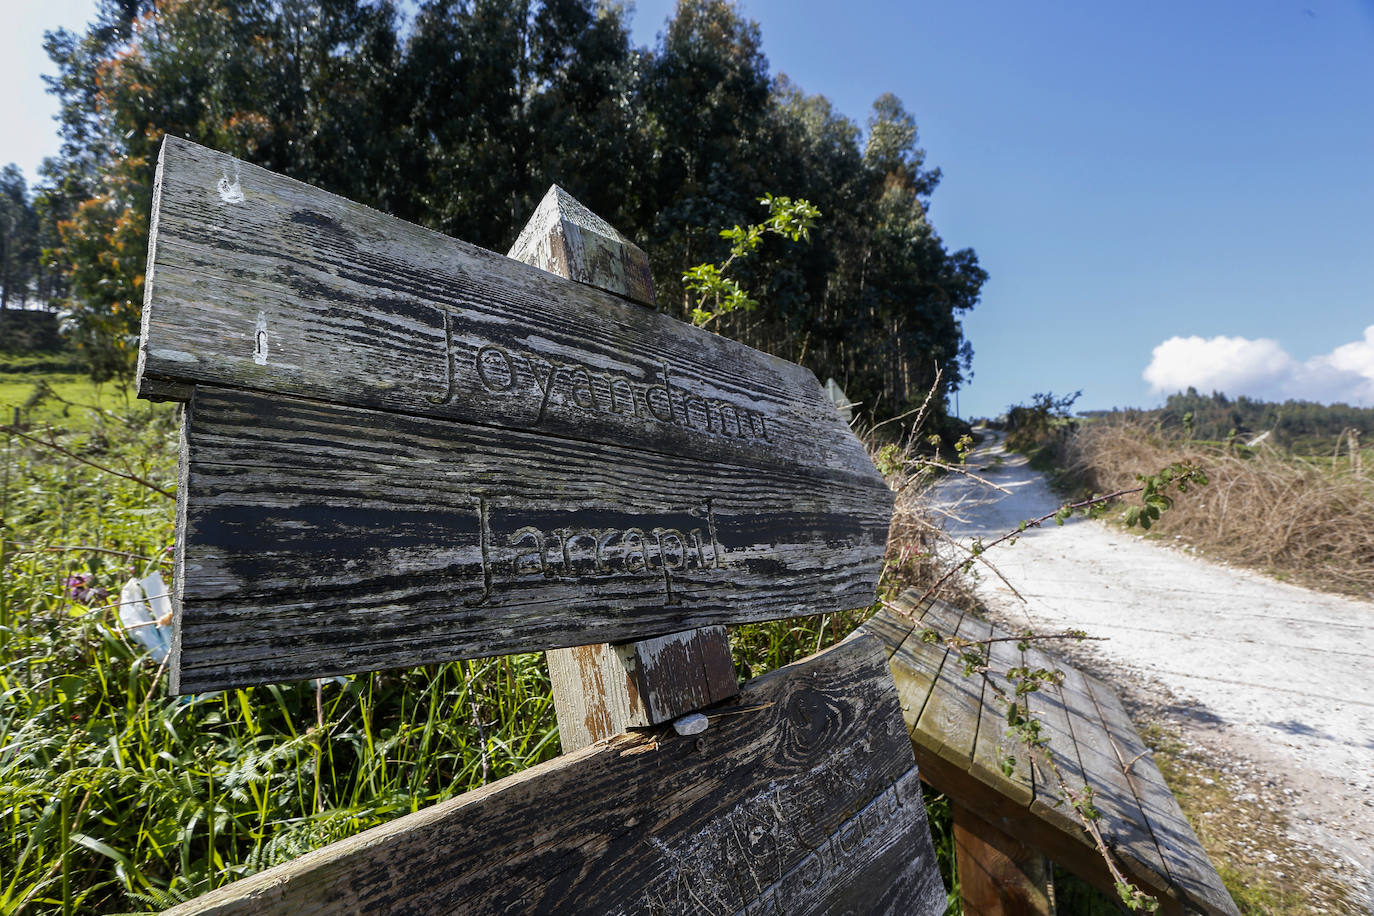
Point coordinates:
[[602, 690], [321, 539], [807, 803], [566, 239], [1198, 883], [259, 282], [949, 722], [998, 875], [996, 748], [1047, 705], [1123, 824], [1090, 739]]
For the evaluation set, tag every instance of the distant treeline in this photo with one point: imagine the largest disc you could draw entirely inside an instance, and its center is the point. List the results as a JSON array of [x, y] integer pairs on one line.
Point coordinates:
[[458, 114], [1302, 426]]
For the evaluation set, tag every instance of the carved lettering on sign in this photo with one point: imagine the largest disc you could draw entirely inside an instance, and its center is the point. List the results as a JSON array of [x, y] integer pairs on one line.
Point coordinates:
[[542, 382], [766, 852], [590, 551]]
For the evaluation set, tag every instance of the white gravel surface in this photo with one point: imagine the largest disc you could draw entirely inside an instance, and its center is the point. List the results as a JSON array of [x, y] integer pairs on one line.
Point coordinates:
[[1265, 670]]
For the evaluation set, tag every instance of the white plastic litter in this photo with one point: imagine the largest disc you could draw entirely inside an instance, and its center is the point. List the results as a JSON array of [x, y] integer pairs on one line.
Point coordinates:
[[140, 623]]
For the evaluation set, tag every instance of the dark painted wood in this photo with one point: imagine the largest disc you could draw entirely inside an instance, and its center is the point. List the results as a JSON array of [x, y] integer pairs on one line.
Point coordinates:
[[405, 449], [260, 282], [804, 801], [321, 539]]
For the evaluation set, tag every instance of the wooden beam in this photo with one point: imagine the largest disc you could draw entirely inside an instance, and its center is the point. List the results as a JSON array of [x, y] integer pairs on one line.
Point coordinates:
[[404, 449], [1091, 741], [998, 875], [601, 690], [321, 539], [801, 798], [259, 282], [568, 240]]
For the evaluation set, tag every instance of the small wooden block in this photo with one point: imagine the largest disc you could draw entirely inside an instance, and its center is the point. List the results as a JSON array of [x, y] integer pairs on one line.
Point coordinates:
[[565, 238], [603, 690]]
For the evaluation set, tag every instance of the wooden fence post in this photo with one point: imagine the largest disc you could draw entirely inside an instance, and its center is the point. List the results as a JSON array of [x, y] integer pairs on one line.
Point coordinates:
[[601, 690]]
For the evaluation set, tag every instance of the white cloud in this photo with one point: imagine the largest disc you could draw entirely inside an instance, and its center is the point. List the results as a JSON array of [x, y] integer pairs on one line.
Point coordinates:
[[1262, 368]]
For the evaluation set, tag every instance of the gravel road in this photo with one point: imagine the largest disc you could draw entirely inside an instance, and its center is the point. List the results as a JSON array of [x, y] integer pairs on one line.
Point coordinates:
[[1265, 671]]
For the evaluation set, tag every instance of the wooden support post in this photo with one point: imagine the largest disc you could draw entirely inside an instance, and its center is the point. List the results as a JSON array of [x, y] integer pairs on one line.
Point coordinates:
[[602, 690], [998, 876]]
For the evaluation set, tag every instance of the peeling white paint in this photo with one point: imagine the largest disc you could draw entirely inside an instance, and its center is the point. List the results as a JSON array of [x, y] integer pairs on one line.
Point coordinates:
[[230, 191], [260, 340]]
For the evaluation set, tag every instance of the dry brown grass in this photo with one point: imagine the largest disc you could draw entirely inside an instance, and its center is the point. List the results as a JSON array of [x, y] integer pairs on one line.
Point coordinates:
[[1304, 519]]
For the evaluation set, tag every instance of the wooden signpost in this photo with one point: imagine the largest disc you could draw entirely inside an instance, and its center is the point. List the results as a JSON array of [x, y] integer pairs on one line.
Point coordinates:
[[399, 448], [404, 449]]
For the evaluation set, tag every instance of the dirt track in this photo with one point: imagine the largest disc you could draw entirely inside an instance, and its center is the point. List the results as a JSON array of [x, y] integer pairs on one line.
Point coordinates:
[[1255, 669]]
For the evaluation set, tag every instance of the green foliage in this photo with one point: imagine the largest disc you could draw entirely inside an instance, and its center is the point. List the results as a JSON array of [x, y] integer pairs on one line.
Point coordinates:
[[1154, 495], [1304, 427], [19, 240], [117, 797], [790, 219], [1031, 426]]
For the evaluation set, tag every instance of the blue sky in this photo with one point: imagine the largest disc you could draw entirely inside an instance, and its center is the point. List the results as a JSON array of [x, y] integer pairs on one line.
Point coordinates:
[[1175, 190]]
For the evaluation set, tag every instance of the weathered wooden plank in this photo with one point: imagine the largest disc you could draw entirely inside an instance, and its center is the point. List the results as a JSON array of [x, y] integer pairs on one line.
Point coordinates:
[[915, 664], [994, 747], [1047, 705], [805, 801], [601, 690], [949, 723], [259, 282], [1193, 875], [1123, 825], [998, 875], [322, 539]]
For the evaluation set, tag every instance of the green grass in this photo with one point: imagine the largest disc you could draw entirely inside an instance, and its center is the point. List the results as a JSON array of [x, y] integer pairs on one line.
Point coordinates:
[[116, 797], [66, 400]]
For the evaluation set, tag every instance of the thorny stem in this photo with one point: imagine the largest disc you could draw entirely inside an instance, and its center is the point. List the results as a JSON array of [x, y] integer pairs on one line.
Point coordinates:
[[79, 548], [1038, 747], [75, 457]]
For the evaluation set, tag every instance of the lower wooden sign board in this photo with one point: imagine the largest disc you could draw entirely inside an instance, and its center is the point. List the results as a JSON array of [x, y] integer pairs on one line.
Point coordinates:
[[802, 797], [318, 539]]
